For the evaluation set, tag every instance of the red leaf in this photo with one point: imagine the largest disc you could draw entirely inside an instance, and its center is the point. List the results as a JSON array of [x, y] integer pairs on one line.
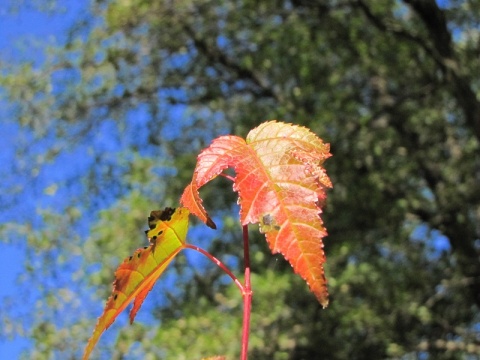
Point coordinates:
[[281, 185]]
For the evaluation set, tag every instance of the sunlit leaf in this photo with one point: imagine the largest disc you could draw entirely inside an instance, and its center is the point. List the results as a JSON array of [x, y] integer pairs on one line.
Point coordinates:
[[281, 186], [138, 273]]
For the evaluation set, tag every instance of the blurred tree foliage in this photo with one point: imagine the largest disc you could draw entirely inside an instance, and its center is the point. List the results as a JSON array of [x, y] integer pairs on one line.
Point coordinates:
[[140, 86]]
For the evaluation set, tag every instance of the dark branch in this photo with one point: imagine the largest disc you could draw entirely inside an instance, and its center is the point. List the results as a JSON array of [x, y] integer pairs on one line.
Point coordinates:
[[435, 22], [216, 56]]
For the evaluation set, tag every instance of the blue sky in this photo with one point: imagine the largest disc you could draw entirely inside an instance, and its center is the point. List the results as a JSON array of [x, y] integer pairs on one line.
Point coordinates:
[[17, 27]]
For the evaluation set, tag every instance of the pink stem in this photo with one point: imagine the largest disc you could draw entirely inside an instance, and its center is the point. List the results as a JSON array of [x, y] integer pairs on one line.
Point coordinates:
[[231, 178], [247, 296], [219, 264]]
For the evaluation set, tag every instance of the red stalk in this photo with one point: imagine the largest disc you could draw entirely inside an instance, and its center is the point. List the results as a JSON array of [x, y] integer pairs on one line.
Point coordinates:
[[247, 296], [245, 289], [218, 263]]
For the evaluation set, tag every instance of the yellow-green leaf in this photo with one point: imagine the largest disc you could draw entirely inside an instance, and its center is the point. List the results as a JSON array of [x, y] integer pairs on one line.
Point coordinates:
[[138, 273]]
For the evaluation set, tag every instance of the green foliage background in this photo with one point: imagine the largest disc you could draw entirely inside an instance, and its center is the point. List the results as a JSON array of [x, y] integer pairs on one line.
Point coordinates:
[[392, 85]]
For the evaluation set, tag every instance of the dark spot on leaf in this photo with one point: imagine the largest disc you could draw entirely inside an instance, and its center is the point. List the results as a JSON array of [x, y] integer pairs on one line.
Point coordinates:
[[152, 221], [139, 254], [166, 214], [154, 238], [268, 223], [130, 258], [268, 219], [145, 247], [160, 215], [115, 297]]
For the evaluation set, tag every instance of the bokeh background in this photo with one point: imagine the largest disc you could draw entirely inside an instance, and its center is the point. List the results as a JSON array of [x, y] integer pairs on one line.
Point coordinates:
[[104, 106]]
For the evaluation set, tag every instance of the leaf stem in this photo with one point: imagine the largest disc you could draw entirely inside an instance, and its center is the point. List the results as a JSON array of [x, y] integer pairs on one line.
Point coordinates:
[[245, 289], [226, 176], [247, 296], [219, 264]]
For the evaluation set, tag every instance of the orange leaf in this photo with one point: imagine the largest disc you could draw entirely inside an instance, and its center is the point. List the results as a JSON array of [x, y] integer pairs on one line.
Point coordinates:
[[191, 200], [281, 185], [138, 273]]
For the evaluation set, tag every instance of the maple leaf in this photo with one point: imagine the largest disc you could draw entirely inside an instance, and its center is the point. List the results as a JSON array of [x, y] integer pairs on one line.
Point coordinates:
[[137, 274], [281, 186]]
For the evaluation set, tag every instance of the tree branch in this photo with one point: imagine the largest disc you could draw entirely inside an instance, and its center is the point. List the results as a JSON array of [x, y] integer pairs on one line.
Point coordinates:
[[435, 22], [216, 56], [397, 30], [453, 220], [441, 51]]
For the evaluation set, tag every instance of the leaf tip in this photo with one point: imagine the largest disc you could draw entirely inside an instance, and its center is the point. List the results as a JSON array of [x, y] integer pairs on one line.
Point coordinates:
[[132, 316], [210, 223], [192, 201]]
